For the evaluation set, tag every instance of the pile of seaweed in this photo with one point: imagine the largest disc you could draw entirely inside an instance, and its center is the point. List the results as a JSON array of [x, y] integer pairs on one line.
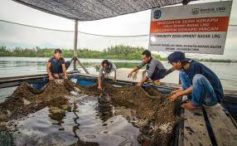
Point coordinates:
[[26, 99], [146, 108]]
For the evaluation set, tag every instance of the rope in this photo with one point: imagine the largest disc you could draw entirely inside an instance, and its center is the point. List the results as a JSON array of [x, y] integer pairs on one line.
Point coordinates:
[[87, 33], [35, 26]]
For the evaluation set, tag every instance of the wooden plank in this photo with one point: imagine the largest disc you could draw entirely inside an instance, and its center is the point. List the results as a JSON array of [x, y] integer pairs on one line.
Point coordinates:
[[181, 130], [231, 93], [195, 131], [224, 130]]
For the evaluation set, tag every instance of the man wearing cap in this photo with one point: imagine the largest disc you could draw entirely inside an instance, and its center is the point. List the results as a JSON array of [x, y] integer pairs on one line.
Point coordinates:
[[154, 68], [199, 83]]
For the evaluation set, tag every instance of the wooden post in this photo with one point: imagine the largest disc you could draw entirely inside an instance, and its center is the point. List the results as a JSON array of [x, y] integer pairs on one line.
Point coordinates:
[[75, 59], [75, 44]]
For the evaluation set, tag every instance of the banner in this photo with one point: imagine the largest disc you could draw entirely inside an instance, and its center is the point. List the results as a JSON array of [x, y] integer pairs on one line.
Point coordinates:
[[196, 28]]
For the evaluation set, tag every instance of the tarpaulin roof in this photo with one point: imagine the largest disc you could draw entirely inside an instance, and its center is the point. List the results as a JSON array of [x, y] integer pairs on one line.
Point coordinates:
[[86, 10]]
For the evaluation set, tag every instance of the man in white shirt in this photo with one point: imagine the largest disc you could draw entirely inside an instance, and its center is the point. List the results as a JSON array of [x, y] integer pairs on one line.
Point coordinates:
[[105, 69]]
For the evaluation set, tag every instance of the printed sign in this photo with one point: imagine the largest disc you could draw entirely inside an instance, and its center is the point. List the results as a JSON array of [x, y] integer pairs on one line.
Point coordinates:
[[197, 28]]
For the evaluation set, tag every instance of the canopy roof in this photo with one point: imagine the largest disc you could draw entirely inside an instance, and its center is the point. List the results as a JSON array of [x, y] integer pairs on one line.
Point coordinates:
[[86, 10]]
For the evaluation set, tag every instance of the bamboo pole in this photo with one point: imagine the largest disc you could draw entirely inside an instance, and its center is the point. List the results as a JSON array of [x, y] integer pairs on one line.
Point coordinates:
[[75, 44]]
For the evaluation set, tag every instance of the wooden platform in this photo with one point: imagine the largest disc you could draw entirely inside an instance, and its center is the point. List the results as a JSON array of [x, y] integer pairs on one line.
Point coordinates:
[[208, 126]]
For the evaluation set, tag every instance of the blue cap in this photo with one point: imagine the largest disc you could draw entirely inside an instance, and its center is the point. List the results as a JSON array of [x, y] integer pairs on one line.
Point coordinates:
[[177, 56]]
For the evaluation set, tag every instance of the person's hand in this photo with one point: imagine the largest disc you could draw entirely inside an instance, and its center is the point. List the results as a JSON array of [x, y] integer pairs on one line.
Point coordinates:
[[134, 77], [65, 77], [175, 91], [139, 84], [99, 87], [51, 77], [130, 74], [174, 96]]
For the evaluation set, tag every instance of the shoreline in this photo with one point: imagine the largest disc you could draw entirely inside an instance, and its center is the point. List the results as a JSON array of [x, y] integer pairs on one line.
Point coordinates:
[[132, 60]]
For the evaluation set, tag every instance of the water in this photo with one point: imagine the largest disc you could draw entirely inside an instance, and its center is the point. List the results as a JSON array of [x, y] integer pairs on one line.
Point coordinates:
[[15, 66], [76, 127]]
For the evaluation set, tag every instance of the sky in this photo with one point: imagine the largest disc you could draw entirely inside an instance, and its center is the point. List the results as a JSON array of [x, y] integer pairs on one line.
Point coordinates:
[[132, 24]]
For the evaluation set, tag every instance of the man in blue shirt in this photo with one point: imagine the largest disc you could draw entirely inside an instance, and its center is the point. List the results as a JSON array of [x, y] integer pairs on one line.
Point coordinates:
[[201, 84], [56, 66]]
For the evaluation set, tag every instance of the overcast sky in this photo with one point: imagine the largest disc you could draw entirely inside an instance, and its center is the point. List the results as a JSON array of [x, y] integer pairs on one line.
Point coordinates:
[[131, 24]]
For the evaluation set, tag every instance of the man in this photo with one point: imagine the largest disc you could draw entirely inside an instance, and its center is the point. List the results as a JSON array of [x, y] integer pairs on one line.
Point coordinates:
[[154, 69], [56, 66], [105, 69], [201, 84]]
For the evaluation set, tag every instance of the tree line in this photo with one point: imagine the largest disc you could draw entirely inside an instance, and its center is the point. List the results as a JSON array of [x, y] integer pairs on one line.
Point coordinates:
[[113, 52]]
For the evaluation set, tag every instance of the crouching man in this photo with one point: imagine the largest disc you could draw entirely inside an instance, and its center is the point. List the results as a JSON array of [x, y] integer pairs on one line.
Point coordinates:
[[154, 69], [56, 66], [199, 83], [106, 68]]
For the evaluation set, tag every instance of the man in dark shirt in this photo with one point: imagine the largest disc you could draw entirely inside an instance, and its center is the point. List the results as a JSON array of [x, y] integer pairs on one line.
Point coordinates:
[[154, 69], [56, 67], [201, 84]]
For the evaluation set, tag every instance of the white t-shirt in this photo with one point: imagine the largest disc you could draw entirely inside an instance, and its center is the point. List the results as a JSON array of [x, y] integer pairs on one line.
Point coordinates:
[[107, 71]]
